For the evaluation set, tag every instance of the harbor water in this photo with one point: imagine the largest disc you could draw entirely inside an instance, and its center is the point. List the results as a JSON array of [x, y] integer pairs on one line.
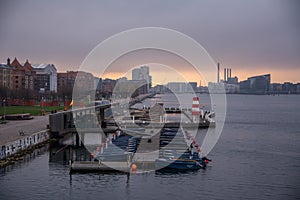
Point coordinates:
[[256, 157]]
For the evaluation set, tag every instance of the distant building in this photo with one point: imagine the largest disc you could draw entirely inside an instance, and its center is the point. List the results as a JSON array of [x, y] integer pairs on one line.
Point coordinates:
[[182, 87], [84, 81], [256, 85], [298, 88], [216, 88], [289, 87], [23, 75], [108, 85], [142, 74], [98, 84], [46, 77], [192, 87], [159, 89], [129, 88], [6, 76], [276, 87], [177, 87], [66, 81], [233, 80]]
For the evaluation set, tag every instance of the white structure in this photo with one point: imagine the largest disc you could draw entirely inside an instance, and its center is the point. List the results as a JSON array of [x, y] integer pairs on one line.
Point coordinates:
[[142, 73], [182, 87], [46, 77]]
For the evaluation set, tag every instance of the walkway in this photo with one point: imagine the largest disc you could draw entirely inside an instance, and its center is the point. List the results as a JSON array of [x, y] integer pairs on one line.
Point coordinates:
[[10, 131]]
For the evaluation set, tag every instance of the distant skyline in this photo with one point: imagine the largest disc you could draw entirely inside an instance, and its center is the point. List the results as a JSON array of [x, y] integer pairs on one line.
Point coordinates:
[[251, 37]]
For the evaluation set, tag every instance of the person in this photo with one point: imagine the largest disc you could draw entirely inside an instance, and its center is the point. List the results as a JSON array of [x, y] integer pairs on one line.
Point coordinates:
[[191, 150]]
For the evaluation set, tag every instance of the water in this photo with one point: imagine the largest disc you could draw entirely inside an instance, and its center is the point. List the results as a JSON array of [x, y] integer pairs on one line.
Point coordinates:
[[256, 157]]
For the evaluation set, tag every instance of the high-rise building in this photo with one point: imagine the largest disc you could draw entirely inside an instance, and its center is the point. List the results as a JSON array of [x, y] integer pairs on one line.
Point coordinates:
[[142, 74]]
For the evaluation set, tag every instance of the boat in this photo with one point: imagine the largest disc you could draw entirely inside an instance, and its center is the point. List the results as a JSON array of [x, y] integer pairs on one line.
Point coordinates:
[[179, 164]]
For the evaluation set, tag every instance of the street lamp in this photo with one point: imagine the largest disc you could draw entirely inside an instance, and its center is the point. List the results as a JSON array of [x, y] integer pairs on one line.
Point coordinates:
[[4, 111]]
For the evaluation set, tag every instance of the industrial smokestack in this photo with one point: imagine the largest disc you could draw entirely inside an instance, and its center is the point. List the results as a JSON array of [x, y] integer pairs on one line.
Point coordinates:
[[227, 74], [224, 74], [218, 75], [230, 73]]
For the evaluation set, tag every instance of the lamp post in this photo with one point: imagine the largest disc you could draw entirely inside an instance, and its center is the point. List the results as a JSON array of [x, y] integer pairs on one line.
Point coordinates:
[[4, 110]]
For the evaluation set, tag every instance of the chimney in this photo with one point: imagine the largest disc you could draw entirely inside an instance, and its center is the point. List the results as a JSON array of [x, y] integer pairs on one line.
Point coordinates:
[[218, 75], [230, 73], [227, 74], [8, 61], [224, 74]]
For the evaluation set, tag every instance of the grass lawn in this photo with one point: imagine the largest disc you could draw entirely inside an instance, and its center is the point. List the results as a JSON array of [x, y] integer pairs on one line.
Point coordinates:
[[33, 110]]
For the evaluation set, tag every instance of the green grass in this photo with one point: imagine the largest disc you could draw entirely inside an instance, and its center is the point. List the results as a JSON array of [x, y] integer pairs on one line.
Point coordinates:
[[33, 110]]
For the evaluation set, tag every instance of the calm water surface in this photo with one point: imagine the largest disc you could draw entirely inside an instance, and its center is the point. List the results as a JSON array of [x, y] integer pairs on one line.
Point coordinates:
[[256, 157]]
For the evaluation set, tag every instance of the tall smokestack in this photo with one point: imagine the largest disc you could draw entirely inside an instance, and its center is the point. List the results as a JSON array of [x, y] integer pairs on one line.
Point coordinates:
[[218, 73], [227, 74], [230, 73], [224, 74]]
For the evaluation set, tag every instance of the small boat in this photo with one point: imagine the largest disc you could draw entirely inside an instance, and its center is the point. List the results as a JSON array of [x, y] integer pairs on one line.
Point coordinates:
[[179, 164]]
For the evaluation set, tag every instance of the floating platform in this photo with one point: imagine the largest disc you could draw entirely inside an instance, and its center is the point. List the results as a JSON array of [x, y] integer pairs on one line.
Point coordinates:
[[91, 166]]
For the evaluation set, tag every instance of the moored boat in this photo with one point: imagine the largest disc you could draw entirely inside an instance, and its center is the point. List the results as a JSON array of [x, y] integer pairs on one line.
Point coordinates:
[[179, 164]]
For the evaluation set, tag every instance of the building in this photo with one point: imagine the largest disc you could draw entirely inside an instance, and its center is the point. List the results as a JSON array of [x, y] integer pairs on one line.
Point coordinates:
[[23, 75], [256, 85], [6, 76], [65, 82], [46, 77], [192, 87], [98, 84], [108, 86], [298, 88], [129, 88], [142, 74], [182, 87], [233, 80], [84, 81], [160, 89]]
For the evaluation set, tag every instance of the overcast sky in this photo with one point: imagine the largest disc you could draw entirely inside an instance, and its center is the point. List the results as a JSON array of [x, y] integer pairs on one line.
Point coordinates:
[[251, 37]]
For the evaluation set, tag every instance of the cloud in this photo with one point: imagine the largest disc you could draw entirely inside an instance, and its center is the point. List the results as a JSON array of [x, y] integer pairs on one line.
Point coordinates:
[[238, 34]]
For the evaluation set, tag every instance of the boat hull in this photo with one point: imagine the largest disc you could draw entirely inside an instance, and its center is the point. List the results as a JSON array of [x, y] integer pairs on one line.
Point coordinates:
[[179, 164]]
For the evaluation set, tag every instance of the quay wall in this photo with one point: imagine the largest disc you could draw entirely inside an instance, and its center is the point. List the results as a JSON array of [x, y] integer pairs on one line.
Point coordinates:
[[23, 143]]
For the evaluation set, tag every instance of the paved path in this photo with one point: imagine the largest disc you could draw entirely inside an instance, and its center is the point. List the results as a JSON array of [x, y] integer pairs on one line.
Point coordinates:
[[10, 132]]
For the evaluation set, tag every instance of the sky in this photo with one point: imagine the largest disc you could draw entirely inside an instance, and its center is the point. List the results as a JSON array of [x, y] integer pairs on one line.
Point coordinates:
[[250, 37]]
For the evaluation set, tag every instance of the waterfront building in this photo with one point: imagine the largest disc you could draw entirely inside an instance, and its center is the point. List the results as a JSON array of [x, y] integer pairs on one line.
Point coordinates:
[[256, 85], [182, 87], [233, 80], [45, 78], [298, 88], [142, 74], [130, 88], [192, 87]]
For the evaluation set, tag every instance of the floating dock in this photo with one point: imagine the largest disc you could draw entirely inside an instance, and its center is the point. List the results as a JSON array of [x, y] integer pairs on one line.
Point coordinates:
[[89, 166]]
